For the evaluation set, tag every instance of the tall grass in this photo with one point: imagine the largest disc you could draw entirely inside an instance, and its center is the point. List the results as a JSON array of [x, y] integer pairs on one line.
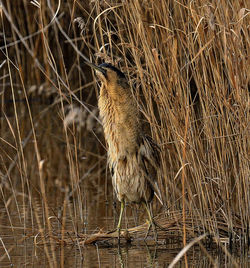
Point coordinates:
[[188, 66]]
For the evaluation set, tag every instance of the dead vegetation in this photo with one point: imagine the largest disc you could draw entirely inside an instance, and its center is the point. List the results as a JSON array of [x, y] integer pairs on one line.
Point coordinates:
[[188, 65]]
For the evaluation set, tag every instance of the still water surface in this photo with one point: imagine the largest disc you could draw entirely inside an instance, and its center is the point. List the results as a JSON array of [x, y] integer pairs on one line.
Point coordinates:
[[26, 249]]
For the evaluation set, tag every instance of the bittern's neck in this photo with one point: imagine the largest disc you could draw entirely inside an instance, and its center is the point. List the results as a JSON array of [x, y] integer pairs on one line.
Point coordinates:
[[121, 124], [118, 93]]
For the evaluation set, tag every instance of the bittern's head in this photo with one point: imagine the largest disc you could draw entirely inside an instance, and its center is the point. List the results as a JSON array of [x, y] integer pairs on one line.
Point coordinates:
[[108, 74]]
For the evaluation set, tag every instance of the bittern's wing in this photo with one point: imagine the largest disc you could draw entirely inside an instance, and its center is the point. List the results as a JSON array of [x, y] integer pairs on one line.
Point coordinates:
[[149, 155]]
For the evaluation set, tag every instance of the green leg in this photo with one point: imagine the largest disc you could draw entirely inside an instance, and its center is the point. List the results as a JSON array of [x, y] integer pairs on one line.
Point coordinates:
[[120, 220], [151, 221]]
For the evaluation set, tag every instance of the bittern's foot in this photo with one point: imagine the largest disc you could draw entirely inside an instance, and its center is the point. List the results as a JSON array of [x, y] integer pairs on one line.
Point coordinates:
[[152, 225], [121, 233], [149, 227], [124, 234]]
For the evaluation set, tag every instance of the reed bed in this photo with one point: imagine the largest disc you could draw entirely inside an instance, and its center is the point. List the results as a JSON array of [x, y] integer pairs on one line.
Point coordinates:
[[188, 66]]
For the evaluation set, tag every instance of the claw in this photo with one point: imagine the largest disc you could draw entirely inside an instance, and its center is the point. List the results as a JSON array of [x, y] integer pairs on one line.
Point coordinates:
[[151, 223], [149, 227]]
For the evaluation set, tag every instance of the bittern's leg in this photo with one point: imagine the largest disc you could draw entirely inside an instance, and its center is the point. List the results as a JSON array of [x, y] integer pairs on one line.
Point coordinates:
[[151, 221], [120, 219]]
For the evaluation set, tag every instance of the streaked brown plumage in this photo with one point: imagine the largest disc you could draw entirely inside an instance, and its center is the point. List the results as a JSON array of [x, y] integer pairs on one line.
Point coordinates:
[[132, 156]]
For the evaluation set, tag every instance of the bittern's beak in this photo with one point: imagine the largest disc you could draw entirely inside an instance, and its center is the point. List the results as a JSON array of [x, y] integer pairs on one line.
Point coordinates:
[[95, 67]]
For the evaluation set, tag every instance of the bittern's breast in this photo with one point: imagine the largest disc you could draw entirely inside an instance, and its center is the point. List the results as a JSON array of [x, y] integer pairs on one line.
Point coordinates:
[[129, 180], [120, 122]]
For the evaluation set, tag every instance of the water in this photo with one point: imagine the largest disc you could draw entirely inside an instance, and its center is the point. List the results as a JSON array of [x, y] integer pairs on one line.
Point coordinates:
[[27, 248]]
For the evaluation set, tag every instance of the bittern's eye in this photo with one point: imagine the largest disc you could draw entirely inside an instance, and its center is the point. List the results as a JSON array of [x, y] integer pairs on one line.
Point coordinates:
[[101, 72]]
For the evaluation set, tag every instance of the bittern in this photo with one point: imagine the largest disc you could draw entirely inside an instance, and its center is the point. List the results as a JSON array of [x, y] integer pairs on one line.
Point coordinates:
[[133, 157]]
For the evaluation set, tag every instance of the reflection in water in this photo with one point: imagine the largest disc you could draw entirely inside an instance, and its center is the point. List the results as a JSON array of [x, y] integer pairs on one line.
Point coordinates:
[[26, 249]]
